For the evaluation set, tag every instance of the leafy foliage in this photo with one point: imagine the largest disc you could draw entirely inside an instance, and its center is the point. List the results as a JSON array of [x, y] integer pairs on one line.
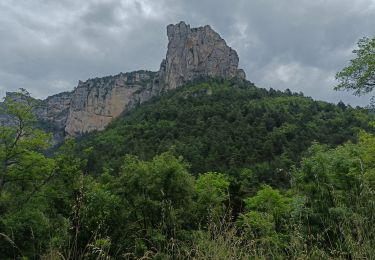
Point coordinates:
[[359, 76]]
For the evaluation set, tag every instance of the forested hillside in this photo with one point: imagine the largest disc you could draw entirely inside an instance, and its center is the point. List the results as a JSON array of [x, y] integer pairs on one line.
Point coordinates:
[[217, 169], [226, 126]]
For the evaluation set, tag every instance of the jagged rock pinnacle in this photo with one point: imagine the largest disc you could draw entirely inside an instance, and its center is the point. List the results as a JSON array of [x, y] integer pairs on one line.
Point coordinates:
[[194, 53]]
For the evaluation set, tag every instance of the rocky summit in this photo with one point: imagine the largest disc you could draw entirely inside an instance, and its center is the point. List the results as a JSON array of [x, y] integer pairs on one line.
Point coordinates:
[[192, 53]]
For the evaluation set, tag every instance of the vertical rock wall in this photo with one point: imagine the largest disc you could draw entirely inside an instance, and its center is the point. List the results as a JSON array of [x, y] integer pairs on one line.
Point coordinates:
[[194, 53]]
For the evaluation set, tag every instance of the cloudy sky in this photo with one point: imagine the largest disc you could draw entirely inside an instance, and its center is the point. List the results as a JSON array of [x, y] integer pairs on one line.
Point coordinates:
[[47, 46]]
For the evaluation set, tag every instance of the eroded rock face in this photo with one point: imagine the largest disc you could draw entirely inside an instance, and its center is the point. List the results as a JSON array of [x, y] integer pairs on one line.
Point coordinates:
[[54, 111], [96, 102], [195, 53]]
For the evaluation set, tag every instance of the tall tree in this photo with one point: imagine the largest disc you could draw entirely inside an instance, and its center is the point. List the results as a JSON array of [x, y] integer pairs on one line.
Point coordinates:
[[359, 76], [21, 143], [24, 172]]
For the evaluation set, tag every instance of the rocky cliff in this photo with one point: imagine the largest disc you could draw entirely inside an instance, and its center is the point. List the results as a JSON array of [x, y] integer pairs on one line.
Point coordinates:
[[53, 112], [96, 102], [192, 53]]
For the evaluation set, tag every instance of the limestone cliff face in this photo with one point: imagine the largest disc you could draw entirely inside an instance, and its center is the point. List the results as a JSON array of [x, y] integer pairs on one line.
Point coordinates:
[[192, 53], [195, 53], [54, 111], [96, 102]]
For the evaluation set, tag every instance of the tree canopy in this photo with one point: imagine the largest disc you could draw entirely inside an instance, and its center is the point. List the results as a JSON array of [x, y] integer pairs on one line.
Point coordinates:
[[359, 76]]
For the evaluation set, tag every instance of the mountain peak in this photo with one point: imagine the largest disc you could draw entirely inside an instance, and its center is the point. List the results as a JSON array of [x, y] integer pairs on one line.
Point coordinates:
[[195, 53]]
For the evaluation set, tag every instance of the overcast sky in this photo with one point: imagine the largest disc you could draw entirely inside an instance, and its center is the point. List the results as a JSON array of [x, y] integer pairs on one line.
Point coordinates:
[[47, 46]]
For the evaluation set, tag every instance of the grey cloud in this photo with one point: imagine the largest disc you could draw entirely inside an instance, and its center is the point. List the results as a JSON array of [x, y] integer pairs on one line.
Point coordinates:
[[47, 46]]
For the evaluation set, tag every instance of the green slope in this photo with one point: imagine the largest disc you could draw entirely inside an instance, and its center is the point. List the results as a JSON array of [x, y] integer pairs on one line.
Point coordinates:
[[226, 126]]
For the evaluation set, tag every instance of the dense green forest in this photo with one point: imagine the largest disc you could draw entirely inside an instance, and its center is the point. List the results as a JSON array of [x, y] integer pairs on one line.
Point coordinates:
[[217, 169], [226, 126]]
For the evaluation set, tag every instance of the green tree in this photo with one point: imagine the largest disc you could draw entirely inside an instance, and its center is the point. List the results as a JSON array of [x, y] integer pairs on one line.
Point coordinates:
[[156, 198], [265, 221], [24, 173], [359, 76], [20, 142], [212, 194], [338, 187]]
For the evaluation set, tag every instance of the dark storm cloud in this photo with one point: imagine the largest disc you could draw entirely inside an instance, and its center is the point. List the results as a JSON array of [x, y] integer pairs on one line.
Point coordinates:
[[47, 46]]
